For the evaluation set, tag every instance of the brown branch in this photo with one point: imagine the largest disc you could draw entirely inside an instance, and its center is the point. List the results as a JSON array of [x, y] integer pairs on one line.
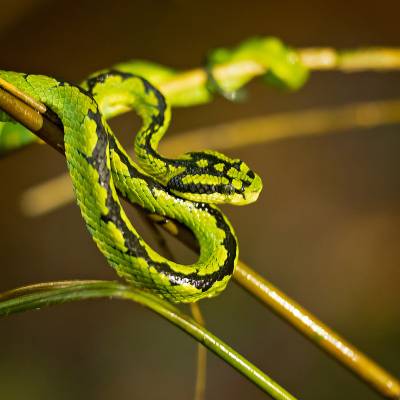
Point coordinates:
[[54, 193], [373, 58], [20, 109], [201, 364], [326, 58]]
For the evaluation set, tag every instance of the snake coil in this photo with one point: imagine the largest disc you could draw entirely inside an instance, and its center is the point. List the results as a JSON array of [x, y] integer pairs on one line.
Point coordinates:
[[183, 189]]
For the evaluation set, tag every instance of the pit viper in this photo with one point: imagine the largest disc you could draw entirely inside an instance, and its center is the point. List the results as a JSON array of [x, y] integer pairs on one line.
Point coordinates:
[[184, 189]]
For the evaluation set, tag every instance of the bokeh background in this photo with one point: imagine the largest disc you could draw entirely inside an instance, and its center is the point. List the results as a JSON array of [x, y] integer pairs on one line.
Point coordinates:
[[325, 230]]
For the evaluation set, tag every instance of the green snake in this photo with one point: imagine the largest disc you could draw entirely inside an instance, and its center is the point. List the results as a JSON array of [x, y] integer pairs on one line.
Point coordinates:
[[183, 189]]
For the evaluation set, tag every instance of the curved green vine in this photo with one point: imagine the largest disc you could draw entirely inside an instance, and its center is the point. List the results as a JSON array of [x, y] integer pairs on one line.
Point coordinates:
[[44, 295]]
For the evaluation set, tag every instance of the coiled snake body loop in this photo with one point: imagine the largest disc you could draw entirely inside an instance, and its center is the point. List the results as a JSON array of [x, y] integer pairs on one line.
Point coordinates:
[[180, 189]]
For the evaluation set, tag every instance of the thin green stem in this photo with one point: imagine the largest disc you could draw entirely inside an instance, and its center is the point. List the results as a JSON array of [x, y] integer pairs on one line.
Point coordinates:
[[38, 296], [201, 375], [201, 365]]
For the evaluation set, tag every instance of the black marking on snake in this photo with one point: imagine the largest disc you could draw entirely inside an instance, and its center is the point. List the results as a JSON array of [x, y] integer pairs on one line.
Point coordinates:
[[133, 171], [53, 117], [157, 120], [193, 169], [103, 76], [251, 174], [229, 241], [175, 183], [81, 89], [98, 160]]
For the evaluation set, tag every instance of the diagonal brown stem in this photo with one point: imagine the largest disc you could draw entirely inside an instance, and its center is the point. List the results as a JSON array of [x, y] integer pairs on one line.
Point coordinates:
[[305, 322], [201, 366]]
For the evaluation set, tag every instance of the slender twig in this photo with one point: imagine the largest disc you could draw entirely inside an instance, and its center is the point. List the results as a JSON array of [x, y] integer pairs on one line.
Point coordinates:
[[359, 364], [377, 59], [305, 322], [316, 331], [201, 365], [157, 236], [177, 86], [36, 105], [56, 192], [373, 58], [30, 298], [27, 116], [286, 125]]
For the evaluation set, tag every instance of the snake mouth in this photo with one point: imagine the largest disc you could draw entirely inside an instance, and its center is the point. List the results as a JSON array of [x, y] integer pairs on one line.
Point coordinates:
[[251, 197], [254, 190]]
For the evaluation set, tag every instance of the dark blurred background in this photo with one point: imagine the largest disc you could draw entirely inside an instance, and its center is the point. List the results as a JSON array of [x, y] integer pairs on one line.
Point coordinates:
[[325, 230]]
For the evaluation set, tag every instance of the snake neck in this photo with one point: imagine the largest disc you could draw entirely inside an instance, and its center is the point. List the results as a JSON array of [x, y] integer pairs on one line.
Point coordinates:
[[206, 176], [116, 90]]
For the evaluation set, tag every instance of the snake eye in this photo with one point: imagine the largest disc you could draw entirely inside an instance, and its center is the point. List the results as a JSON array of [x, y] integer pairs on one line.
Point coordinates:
[[229, 189]]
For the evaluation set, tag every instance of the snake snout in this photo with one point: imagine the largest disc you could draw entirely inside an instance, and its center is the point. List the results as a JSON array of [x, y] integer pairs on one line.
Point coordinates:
[[254, 190], [249, 191]]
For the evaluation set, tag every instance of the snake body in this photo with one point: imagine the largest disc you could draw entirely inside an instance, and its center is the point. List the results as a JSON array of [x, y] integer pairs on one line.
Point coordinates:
[[206, 176], [99, 165], [182, 189]]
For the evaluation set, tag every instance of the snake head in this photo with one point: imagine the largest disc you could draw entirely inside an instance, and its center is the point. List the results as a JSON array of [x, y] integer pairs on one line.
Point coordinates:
[[212, 177]]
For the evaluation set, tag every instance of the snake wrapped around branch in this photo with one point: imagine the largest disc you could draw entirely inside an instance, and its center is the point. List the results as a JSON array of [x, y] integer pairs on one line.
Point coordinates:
[[184, 189]]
